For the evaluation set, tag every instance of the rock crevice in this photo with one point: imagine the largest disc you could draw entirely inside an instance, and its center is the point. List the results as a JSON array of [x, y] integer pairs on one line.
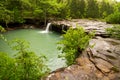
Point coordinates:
[[93, 63]]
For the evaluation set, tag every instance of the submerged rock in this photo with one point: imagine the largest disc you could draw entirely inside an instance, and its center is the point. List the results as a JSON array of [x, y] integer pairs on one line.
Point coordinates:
[[102, 62]]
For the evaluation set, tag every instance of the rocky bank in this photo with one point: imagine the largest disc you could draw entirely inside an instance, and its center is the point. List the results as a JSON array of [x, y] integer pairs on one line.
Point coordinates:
[[89, 25], [102, 62]]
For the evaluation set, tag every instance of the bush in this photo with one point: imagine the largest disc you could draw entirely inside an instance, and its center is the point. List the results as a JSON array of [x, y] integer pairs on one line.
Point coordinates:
[[1, 31], [114, 31], [113, 18], [29, 65], [25, 65], [73, 43], [7, 67]]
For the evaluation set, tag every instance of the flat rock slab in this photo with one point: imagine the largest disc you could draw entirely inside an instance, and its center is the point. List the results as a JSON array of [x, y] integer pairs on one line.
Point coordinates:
[[89, 25]]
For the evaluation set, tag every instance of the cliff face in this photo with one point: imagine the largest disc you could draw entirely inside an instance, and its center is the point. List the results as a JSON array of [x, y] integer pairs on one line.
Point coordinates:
[[102, 62]]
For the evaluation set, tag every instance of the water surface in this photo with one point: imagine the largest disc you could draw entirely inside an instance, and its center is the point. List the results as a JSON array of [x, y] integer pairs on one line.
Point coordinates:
[[40, 43]]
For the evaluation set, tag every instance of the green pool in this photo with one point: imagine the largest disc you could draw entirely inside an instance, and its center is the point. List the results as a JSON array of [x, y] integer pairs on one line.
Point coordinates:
[[40, 43]]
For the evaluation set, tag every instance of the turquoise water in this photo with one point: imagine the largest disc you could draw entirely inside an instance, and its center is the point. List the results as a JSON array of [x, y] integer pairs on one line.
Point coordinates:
[[40, 43]]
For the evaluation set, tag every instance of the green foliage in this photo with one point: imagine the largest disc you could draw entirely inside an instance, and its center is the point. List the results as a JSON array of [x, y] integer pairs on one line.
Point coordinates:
[[118, 7], [113, 18], [1, 36], [31, 67], [25, 65], [106, 8], [47, 9], [77, 8], [6, 67], [114, 31], [92, 9], [73, 43], [2, 29], [6, 16], [87, 8]]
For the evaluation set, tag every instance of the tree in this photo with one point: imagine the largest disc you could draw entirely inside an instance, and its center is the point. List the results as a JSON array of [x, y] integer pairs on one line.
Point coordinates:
[[6, 16], [82, 7], [48, 7], [113, 18], [64, 10], [18, 7], [74, 8], [117, 7], [92, 10], [106, 8], [77, 8]]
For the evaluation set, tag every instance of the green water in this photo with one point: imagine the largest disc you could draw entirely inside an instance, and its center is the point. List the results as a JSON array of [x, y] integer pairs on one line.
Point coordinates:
[[40, 43]]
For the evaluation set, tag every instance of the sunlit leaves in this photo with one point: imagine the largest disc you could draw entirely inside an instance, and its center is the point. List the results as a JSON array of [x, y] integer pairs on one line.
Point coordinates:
[[25, 65], [73, 43], [6, 67], [114, 31], [113, 18]]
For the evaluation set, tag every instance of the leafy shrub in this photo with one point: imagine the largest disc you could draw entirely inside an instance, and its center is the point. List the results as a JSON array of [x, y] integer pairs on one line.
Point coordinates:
[[6, 67], [2, 29], [1, 36], [25, 65], [74, 42], [113, 18], [29, 65], [114, 31]]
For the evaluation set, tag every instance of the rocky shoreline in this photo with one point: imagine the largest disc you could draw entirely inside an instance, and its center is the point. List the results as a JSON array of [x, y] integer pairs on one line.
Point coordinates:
[[89, 25], [102, 62]]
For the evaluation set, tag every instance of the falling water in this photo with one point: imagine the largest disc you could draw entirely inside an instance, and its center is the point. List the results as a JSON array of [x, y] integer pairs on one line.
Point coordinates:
[[47, 28]]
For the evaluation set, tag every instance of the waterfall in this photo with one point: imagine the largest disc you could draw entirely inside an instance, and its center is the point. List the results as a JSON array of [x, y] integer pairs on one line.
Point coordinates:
[[63, 27], [47, 29]]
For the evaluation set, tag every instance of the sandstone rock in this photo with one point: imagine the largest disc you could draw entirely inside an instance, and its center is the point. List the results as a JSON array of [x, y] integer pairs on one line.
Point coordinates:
[[102, 62], [89, 25]]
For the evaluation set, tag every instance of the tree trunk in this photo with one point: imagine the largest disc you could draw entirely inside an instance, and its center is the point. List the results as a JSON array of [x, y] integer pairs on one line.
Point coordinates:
[[45, 17]]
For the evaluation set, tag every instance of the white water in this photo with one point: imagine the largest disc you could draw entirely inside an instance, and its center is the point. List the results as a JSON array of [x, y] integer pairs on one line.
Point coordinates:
[[47, 29]]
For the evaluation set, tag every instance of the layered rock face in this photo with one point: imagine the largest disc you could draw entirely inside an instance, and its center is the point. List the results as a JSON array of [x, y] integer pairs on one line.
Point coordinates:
[[100, 62], [89, 25]]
